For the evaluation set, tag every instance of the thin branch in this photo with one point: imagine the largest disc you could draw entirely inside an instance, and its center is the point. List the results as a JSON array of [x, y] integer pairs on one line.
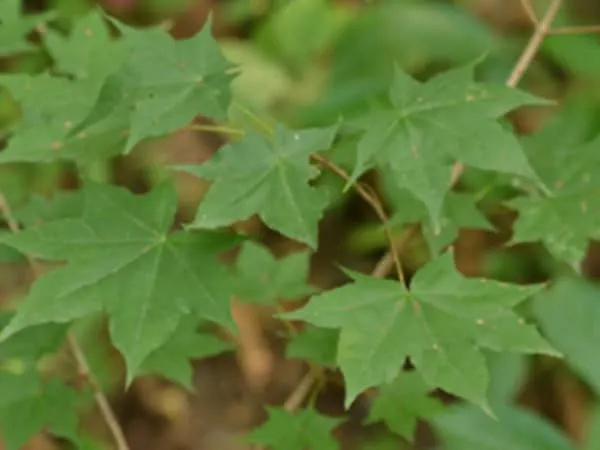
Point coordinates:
[[373, 201], [528, 8], [541, 31], [386, 262], [83, 366], [107, 413], [296, 398], [577, 29]]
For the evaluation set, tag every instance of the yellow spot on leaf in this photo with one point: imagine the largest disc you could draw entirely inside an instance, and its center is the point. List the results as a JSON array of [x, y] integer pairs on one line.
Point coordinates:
[[414, 150]]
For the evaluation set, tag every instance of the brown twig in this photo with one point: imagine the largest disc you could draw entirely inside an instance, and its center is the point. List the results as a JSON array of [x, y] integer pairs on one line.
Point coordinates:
[[377, 206], [83, 366], [576, 29], [541, 31], [296, 398], [101, 401], [528, 8]]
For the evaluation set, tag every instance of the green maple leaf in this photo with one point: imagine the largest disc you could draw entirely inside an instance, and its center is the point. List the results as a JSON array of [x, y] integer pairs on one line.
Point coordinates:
[[51, 107], [61, 205], [430, 125], [14, 26], [295, 431], [567, 215], [148, 99], [263, 279], [402, 402], [459, 211], [123, 261], [29, 406], [268, 178], [89, 51], [172, 359], [318, 345], [441, 324], [30, 344]]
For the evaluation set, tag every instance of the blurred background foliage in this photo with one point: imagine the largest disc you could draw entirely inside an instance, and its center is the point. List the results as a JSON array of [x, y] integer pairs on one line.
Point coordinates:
[[311, 62]]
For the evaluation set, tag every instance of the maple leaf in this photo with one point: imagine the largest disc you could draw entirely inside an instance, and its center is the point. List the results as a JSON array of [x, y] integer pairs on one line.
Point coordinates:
[[14, 26], [149, 99], [430, 125], [61, 205], [318, 345], [402, 402], [268, 178], [295, 431], [262, 278], [89, 51], [30, 344], [28, 406], [567, 214], [458, 211], [122, 260], [51, 107], [172, 359], [441, 324]]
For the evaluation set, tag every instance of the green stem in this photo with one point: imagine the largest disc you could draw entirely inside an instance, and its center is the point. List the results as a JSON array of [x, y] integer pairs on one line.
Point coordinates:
[[259, 121]]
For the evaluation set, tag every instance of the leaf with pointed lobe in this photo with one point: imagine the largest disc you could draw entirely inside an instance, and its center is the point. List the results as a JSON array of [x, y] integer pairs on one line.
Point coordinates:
[[459, 211], [567, 216], [262, 278], [122, 260], [429, 126], [401, 403], [14, 26], [30, 344], [50, 109], [318, 345], [148, 99], [441, 324], [300, 430], [270, 178], [173, 359], [32, 406], [88, 51]]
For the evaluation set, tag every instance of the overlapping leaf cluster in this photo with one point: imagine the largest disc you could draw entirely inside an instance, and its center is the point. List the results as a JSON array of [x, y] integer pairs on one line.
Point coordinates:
[[121, 257]]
